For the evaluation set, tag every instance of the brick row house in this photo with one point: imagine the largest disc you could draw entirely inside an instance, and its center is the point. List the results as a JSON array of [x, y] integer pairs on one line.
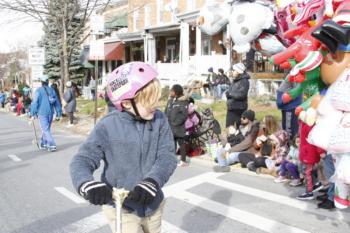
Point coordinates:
[[164, 33]]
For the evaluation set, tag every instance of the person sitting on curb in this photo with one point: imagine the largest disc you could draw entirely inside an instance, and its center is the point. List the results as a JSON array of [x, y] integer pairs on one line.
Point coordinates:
[[228, 155]]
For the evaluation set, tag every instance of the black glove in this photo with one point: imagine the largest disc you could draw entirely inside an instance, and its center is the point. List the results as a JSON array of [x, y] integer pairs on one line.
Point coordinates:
[[145, 192], [96, 193]]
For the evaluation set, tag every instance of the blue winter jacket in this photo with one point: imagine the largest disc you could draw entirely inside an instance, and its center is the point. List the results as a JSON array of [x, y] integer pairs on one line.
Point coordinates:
[[131, 151], [41, 105], [2, 97]]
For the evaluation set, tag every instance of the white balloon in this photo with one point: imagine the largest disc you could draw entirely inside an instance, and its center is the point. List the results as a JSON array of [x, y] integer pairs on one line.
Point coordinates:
[[246, 23], [213, 17]]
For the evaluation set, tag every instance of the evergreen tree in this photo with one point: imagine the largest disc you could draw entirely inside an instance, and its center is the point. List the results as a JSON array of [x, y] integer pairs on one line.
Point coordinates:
[[52, 43]]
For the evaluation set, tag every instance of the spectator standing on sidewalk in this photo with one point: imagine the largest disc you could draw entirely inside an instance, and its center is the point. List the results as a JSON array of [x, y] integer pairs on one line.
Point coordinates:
[[2, 99], [289, 118], [177, 114], [237, 95], [92, 86], [224, 82], [71, 103], [43, 106]]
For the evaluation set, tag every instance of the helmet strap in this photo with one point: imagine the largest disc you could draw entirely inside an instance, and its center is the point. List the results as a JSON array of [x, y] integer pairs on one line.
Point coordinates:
[[137, 114]]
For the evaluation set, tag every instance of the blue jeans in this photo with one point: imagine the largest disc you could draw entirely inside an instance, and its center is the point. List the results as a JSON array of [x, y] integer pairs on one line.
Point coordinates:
[[226, 161], [329, 169], [45, 125]]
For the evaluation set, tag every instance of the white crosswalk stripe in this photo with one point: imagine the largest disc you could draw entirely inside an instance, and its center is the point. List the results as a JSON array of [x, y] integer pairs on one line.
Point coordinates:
[[179, 191]]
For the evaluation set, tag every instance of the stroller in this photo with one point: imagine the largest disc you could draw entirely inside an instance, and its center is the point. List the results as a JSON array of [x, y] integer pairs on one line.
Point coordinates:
[[207, 129]]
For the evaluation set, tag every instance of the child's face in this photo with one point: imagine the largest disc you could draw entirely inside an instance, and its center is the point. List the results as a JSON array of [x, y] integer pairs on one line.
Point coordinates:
[[297, 142], [146, 113]]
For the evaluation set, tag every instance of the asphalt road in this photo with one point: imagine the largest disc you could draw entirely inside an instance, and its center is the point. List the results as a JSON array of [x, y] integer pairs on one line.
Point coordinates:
[[37, 196]]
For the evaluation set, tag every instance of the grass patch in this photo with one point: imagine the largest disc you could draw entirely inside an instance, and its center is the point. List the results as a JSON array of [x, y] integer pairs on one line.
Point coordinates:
[[261, 108], [87, 107]]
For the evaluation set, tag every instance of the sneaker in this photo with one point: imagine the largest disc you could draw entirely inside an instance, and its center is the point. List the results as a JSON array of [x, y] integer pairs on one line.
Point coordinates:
[[218, 168], [182, 164], [51, 148], [295, 182], [326, 204], [216, 160], [306, 196], [317, 187], [322, 197], [70, 125], [280, 179], [42, 147]]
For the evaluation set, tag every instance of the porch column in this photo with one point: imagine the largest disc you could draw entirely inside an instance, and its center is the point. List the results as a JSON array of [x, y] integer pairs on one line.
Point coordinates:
[[110, 66], [228, 48], [198, 48], [184, 47], [104, 68], [151, 49], [145, 49]]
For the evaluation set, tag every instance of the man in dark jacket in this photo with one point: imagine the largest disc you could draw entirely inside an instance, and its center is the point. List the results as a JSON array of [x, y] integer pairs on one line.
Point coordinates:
[[229, 155], [237, 95], [177, 114]]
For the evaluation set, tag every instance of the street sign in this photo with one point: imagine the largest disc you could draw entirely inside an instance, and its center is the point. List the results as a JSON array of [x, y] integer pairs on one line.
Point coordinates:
[[36, 56], [37, 72], [97, 50]]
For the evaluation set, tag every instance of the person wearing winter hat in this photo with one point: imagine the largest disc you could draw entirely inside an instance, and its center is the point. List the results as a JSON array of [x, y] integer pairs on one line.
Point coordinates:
[[137, 147], [70, 102], [229, 155], [237, 95], [177, 114], [43, 106]]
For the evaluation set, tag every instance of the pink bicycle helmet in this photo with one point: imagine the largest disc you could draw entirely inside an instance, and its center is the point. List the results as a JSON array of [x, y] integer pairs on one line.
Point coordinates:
[[125, 81]]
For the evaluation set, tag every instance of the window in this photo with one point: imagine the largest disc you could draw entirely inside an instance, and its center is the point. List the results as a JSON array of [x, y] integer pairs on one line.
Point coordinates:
[[206, 44], [191, 5], [147, 16], [135, 19], [159, 11]]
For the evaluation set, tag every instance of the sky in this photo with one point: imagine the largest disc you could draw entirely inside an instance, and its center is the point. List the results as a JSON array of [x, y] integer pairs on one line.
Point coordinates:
[[16, 33]]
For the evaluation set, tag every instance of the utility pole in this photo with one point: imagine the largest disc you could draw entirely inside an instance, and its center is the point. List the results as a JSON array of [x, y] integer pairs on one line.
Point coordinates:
[[96, 80]]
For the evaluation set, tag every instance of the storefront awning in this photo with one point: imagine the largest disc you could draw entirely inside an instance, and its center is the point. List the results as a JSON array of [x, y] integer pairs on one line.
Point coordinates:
[[117, 21], [114, 51]]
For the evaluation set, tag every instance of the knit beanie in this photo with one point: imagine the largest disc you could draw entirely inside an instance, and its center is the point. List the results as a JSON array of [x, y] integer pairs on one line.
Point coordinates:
[[249, 114]]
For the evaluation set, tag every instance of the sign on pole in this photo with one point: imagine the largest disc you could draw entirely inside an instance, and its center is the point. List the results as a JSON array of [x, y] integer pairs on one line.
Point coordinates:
[[37, 72], [97, 50], [36, 56]]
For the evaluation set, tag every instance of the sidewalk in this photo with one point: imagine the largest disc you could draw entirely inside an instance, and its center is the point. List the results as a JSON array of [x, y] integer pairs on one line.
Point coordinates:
[[85, 123]]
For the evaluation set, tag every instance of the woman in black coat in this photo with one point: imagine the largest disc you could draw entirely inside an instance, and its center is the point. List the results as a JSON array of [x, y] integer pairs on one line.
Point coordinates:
[[237, 95]]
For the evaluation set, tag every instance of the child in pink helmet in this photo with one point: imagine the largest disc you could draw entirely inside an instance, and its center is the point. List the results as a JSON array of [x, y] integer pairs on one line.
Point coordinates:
[[137, 147]]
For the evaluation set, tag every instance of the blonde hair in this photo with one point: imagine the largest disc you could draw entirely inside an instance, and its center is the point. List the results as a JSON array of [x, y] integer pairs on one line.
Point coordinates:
[[270, 124], [149, 95]]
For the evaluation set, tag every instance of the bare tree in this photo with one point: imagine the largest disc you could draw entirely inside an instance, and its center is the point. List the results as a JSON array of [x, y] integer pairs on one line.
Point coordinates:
[[41, 10]]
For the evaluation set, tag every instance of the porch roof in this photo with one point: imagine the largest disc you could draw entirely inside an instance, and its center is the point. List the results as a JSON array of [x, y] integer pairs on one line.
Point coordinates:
[[188, 16], [163, 28], [130, 36]]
